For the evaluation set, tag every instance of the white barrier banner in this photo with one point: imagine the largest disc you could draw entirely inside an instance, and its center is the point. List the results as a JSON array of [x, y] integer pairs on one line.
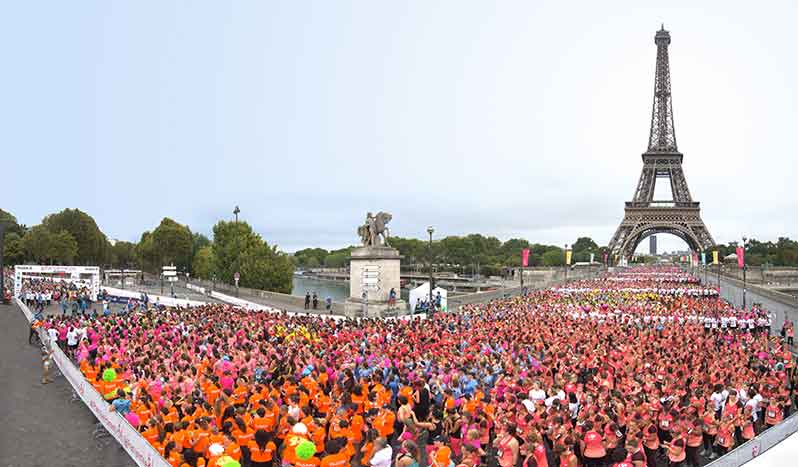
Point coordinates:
[[131, 440], [161, 299], [196, 288], [242, 303]]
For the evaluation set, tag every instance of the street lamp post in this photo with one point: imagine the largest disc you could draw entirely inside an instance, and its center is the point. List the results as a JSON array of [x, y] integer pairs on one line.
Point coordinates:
[[430, 231]]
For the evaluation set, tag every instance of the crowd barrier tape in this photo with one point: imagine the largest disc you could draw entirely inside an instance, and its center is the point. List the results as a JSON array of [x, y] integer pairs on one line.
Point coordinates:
[[139, 449], [759, 444], [163, 300]]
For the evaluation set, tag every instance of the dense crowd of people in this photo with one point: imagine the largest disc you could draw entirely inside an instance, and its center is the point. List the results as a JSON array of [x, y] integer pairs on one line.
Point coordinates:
[[72, 296], [604, 372]]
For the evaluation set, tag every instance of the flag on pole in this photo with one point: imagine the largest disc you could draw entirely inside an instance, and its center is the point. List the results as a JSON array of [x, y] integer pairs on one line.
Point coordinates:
[[606, 256], [567, 256], [715, 257], [525, 257], [704, 258], [740, 257], [592, 257]]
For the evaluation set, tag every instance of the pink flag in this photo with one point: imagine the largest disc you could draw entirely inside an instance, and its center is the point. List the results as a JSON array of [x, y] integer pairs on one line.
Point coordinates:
[[740, 257], [525, 257]]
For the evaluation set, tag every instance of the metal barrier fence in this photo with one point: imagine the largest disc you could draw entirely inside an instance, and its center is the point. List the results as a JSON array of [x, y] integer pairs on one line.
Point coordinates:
[[753, 448]]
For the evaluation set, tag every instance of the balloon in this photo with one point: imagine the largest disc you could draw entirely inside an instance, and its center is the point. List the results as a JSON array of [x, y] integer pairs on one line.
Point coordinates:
[[109, 375], [305, 450], [227, 461], [300, 429], [216, 449]]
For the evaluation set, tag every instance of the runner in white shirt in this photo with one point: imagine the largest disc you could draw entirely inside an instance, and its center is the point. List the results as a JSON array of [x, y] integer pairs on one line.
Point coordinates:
[[72, 340], [53, 334]]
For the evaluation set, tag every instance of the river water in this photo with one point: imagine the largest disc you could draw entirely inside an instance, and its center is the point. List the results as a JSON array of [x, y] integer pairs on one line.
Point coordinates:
[[338, 290]]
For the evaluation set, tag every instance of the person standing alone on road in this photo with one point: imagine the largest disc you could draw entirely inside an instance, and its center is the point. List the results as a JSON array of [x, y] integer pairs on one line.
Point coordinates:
[[47, 361]]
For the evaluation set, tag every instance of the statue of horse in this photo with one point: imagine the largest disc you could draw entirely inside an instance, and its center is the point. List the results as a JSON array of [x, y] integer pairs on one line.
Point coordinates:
[[374, 232]]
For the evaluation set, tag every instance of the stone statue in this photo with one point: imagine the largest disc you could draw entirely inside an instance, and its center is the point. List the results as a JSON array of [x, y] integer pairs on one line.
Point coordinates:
[[374, 232]]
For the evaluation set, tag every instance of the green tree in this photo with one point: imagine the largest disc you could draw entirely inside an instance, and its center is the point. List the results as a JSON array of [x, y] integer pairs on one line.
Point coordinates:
[[92, 244], [64, 248], [511, 251], [123, 255], [582, 248], [146, 255], [14, 249], [173, 244], [554, 257], [38, 244], [310, 257], [237, 247], [336, 260], [10, 222], [203, 265], [46, 247]]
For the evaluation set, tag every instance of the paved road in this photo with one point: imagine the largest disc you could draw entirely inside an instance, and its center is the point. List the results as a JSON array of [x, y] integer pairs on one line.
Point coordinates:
[[42, 426]]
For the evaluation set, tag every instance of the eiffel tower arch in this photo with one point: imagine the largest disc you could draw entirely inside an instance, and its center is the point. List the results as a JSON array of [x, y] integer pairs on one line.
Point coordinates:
[[645, 216]]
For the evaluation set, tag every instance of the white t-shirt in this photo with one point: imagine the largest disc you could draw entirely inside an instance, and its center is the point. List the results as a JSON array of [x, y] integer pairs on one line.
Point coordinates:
[[717, 399], [72, 337], [53, 333], [537, 395], [382, 458]]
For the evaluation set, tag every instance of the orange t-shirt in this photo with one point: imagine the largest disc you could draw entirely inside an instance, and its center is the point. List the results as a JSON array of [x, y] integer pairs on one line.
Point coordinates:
[[312, 462], [357, 428], [262, 423], [262, 455], [234, 450], [335, 460], [289, 453]]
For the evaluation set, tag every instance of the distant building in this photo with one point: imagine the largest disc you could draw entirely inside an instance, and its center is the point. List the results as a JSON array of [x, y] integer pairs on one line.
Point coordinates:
[[652, 245]]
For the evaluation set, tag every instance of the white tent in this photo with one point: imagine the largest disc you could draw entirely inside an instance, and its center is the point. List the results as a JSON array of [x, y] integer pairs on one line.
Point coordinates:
[[421, 293]]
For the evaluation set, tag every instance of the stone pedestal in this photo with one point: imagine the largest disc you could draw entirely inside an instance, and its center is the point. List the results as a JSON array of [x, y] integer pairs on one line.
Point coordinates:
[[373, 272]]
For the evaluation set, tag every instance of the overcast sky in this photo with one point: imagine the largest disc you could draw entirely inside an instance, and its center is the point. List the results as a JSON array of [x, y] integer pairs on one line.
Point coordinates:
[[515, 119]]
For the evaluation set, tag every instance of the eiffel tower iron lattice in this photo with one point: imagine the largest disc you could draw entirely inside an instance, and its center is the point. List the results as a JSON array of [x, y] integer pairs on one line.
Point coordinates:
[[644, 216]]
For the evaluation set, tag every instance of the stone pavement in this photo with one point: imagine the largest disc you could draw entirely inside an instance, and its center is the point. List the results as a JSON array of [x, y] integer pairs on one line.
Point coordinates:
[[43, 426]]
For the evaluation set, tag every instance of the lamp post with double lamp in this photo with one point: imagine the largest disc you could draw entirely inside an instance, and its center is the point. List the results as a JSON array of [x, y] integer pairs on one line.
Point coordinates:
[[745, 267], [430, 231]]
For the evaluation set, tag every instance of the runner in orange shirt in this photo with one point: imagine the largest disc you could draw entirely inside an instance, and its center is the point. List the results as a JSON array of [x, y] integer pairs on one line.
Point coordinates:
[[261, 449]]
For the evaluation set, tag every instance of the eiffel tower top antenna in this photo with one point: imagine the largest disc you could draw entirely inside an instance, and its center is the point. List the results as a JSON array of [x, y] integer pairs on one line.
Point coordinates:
[[662, 137]]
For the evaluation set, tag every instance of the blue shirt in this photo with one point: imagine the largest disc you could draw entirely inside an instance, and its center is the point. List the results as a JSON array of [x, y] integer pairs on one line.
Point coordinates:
[[122, 406]]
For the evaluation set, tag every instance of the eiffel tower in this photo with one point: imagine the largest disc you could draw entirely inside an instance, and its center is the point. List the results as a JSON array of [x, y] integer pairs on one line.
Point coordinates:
[[644, 216]]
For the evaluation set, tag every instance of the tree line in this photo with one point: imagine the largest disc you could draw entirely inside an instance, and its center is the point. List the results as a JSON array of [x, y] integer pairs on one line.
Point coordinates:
[[72, 237], [469, 254]]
